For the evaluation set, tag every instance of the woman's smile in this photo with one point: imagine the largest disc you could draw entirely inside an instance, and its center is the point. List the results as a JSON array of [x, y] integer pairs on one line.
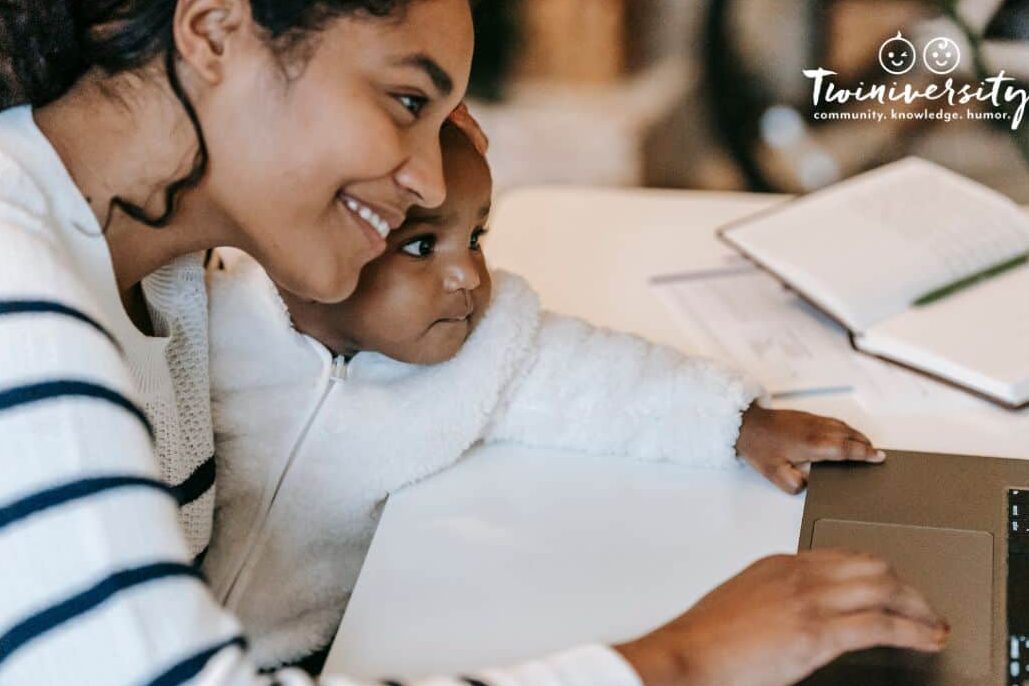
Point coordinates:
[[377, 218], [375, 223]]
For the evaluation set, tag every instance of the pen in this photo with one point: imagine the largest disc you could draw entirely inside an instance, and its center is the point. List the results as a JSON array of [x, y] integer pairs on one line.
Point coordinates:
[[961, 284], [805, 392]]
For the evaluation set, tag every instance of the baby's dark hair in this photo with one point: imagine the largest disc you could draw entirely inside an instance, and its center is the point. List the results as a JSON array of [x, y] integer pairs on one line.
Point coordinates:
[[47, 45]]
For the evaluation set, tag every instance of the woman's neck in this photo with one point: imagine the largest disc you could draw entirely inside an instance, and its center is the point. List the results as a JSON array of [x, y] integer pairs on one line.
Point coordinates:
[[131, 144]]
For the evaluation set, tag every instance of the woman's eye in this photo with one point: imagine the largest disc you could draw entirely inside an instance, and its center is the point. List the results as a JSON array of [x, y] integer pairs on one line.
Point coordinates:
[[477, 235], [412, 103], [419, 247]]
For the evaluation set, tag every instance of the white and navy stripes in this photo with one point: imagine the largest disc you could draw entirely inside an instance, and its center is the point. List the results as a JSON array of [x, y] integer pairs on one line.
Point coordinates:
[[97, 583], [68, 609], [57, 389], [64, 494], [16, 307], [196, 484], [187, 669]]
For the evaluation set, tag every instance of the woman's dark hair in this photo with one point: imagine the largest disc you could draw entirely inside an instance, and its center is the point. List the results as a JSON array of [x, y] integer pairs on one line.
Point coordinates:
[[46, 45]]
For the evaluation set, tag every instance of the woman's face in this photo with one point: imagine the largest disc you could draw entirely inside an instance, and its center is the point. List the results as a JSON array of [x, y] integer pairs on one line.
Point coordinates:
[[312, 170]]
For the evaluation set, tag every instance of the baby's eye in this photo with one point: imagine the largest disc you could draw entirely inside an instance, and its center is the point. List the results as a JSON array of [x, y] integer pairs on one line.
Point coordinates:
[[412, 103], [419, 247], [477, 235]]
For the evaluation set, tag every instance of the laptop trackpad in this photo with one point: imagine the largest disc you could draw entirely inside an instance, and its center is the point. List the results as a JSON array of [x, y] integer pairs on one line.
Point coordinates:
[[954, 569]]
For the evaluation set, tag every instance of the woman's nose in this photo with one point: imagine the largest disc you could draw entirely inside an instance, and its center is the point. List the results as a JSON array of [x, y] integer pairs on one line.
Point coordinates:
[[461, 273], [422, 173]]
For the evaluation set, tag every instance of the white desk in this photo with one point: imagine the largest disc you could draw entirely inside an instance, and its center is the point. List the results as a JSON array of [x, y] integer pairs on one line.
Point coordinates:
[[515, 553]]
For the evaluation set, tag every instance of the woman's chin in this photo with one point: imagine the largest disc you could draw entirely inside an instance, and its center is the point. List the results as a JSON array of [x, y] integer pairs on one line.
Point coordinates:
[[330, 284]]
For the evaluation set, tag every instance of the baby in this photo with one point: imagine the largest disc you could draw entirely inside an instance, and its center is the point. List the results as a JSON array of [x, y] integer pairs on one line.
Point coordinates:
[[322, 411]]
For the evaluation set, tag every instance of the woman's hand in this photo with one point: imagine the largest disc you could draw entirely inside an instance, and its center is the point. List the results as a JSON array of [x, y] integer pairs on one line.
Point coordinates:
[[784, 617], [782, 444]]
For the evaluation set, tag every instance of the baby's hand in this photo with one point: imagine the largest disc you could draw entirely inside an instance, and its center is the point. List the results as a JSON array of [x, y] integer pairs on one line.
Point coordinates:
[[782, 444]]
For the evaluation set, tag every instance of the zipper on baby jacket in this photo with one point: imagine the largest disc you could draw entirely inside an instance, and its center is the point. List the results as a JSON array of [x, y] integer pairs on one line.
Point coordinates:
[[340, 368], [338, 372]]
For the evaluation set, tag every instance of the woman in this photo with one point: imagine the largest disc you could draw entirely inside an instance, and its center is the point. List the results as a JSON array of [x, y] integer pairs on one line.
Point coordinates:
[[301, 132]]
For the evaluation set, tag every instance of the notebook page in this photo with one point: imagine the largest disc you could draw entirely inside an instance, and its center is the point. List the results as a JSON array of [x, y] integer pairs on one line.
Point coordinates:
[[978, 337], [745, 318], [867, 248]]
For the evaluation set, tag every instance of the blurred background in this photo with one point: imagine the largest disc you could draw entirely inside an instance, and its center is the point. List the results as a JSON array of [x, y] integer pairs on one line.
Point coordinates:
[[709, 94]]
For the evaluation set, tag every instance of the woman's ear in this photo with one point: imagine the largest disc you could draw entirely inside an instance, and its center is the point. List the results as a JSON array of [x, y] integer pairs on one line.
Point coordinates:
[[205, 32]]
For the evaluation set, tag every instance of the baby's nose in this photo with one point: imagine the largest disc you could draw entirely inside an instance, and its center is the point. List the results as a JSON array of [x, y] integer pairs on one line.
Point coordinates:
[[462, 274]]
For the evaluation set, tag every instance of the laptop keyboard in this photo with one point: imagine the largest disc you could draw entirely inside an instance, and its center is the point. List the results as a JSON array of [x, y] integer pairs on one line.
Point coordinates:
[[1018, 587]]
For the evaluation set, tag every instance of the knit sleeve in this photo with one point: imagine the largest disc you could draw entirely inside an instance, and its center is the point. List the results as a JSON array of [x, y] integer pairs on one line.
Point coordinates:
[[97, 584], [608, 393]]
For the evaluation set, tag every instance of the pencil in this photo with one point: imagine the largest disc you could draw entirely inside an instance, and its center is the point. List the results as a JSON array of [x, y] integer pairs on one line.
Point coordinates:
[[961, 284]]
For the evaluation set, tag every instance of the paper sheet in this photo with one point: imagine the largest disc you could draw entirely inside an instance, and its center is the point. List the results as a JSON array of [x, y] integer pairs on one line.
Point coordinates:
[[744, 317]]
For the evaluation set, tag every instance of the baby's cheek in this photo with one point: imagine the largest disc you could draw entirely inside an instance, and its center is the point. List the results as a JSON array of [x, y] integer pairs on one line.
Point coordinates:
[[483, 295], [441, 342]]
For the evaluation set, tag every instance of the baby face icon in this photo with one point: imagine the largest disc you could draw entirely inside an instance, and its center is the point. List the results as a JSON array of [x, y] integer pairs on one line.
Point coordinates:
[[897, 55], [941, 55]]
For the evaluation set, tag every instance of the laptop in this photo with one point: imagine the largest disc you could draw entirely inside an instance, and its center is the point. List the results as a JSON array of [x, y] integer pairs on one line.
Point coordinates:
[[956, 527]]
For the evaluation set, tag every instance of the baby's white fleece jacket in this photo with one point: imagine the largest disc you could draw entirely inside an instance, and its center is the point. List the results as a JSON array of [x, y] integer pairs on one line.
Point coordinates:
[[309, 447]]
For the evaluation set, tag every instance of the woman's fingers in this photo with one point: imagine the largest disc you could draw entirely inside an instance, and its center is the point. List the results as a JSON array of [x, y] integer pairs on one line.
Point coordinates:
[[883, 592], [785, 616], [834, 564], [873, 628], [864, 604]]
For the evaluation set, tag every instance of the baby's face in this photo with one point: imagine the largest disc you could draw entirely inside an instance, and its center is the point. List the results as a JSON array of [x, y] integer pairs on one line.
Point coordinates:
[[423, 297]]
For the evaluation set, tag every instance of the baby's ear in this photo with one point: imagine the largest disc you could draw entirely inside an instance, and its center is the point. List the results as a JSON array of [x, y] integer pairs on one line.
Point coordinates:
[[463, 119]]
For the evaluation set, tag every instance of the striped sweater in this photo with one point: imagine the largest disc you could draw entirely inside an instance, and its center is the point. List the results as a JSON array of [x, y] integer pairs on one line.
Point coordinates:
[[106, 494]]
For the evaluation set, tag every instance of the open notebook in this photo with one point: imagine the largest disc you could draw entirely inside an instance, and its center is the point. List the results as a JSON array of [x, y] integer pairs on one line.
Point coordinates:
[[924, 267]]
